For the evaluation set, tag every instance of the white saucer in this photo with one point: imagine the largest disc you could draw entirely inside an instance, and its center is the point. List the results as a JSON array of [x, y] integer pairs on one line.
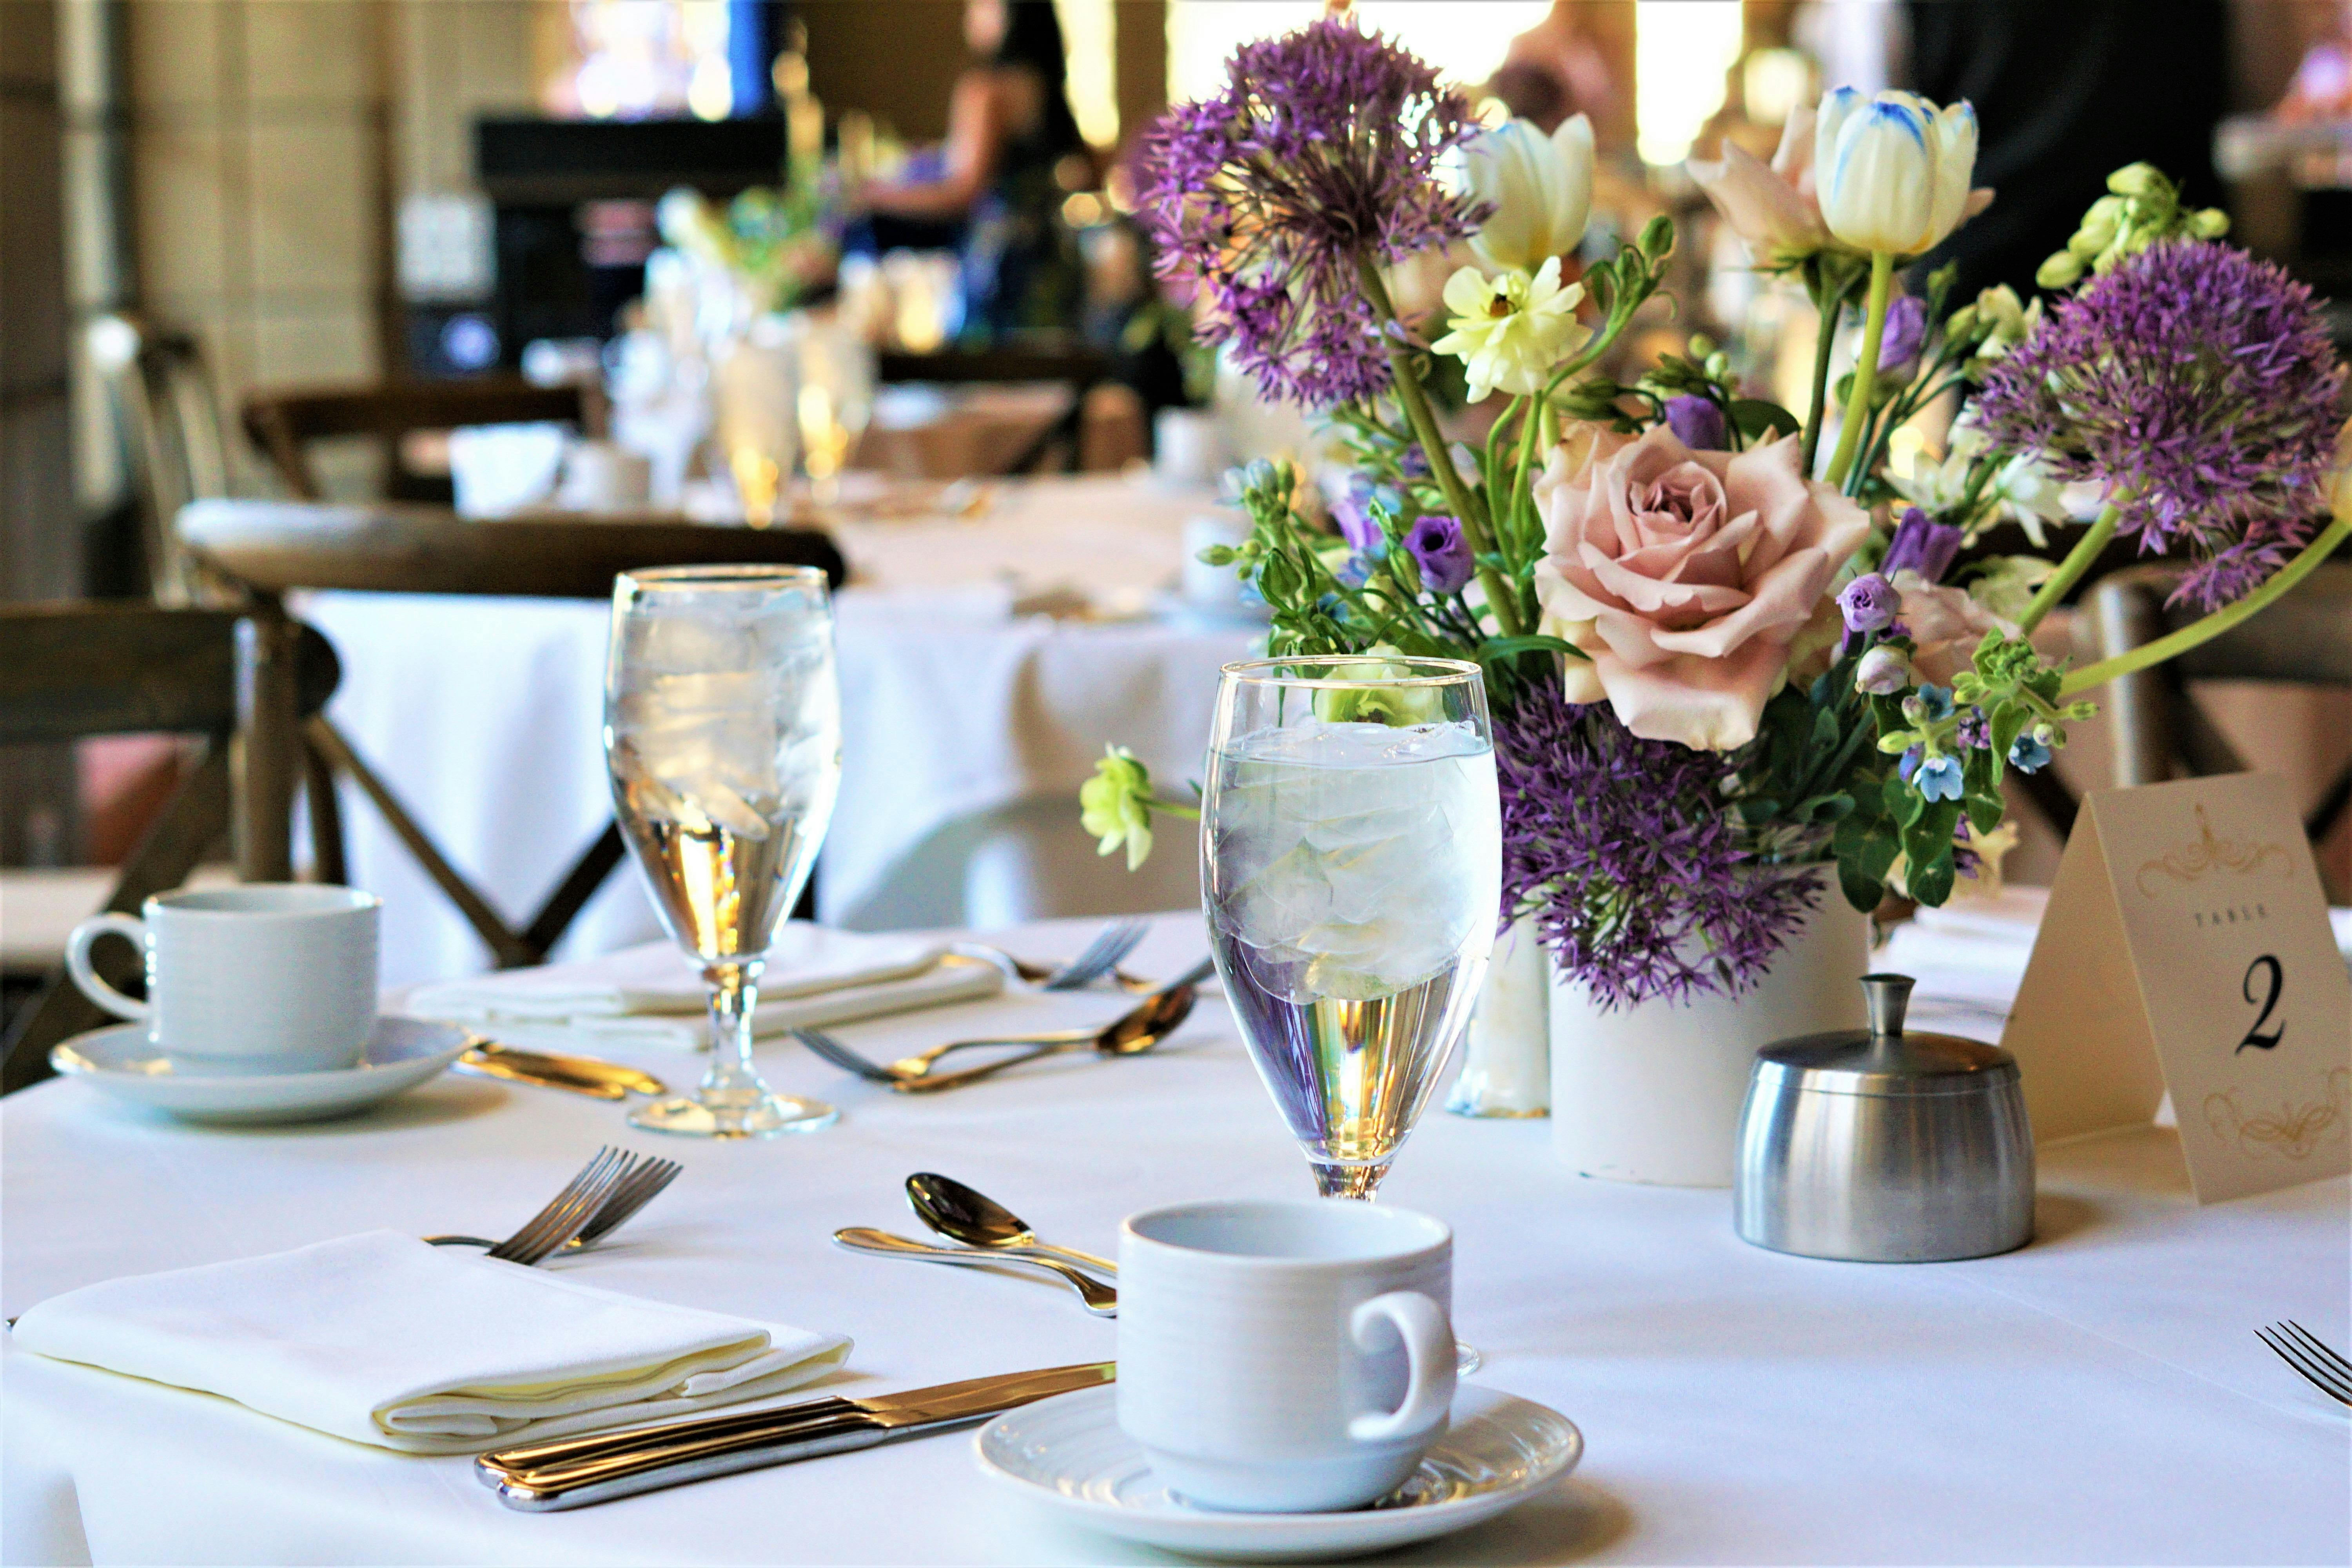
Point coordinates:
[[123, 1062], [1070, 1454]]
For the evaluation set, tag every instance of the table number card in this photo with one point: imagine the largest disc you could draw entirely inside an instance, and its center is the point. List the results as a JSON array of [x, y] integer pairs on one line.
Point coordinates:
[[2186, 944]]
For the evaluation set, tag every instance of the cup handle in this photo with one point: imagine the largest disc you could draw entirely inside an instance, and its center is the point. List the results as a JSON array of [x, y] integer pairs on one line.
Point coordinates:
[[1429, 1352], [78, 964]]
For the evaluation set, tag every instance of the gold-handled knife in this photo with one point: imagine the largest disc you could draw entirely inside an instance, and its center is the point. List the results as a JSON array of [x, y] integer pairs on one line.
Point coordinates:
[[573, 1473], [550, 1069]]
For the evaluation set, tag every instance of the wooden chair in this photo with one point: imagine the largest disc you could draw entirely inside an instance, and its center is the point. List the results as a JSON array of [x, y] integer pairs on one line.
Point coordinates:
[[1075, 365], [167, 416], [283, 423], [244, 686], [273, 548], [2160, 730]]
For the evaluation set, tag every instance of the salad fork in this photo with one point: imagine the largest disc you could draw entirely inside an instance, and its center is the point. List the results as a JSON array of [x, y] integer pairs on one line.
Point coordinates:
[[2318, 1365], [568, 1214]]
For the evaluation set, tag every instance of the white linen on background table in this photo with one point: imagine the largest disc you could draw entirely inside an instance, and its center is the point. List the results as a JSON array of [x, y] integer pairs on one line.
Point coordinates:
[[2097, 1397], [485, 715], [385, 1340]]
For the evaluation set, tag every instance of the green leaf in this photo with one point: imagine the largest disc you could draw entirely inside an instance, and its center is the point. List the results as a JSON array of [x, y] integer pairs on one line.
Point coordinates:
[[1929, 839], [1496, 648], [1931, 884], [1755, 415]]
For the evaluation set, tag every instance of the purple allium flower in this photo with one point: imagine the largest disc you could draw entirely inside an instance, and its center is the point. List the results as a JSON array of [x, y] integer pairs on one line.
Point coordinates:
[[1868, 604], [2028, 754], [1906, 332], [1923, 545], [1883, 672], [1444, 557], [1939, 778], [1319, 159], [1643, 884], [1698, 424], [2199, 385]]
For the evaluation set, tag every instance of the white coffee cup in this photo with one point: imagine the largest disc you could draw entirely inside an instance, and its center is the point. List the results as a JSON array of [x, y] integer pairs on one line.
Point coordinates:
[[1188, 446], [268, 977], [599, 476], [1284, 1357]]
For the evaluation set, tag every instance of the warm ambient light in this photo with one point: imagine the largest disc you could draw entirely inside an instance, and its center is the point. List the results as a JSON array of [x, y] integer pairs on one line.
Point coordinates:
[[1682, 52], [1090, 44], [1465, 42]]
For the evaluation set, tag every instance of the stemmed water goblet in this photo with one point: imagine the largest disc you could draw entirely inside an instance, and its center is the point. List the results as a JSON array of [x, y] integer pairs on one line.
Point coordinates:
[[722, 730], [1351, 855]]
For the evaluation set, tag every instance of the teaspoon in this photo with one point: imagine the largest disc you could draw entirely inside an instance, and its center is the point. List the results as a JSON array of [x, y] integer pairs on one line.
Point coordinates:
[[1100, 1298], [960, 1213]]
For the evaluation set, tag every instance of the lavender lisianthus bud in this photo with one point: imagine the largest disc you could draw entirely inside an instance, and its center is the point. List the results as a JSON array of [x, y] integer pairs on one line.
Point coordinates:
[[1698, 424], [1906, 332], [1869, 603], [1443, 555], [1883, 672], [1921, 544]]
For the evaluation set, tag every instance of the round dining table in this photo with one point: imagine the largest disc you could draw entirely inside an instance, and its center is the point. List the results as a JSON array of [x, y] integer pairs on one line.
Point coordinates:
[[2099, 1396]]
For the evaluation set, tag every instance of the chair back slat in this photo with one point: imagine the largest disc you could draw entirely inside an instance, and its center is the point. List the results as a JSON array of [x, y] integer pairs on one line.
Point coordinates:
[[284, 423], [278, 546], [67, 671]]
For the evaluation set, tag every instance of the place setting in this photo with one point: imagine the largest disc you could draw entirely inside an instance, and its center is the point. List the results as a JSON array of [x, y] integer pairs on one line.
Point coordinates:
[[1334, 793]]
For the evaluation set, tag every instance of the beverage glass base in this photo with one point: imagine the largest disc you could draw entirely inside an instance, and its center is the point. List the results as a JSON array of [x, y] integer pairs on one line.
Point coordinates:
[[1334, 1180], [757, 1116]]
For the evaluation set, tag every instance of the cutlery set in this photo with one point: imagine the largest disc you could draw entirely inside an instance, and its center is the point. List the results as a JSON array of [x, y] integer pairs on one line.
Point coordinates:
[[991, 1235], [1164, 1006]]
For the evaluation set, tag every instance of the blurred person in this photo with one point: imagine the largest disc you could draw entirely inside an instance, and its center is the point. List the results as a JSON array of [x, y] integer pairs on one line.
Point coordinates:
[[1560, 66], [1009, 130]]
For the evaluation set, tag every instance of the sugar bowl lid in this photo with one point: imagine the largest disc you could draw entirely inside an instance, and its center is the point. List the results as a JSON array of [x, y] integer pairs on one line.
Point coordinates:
[[1882, 1059]]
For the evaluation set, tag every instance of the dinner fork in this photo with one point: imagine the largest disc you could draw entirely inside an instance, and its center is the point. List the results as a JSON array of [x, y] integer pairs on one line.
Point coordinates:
[[2321, 1367], [567, 1215], [1100, 957], [638, 1188]]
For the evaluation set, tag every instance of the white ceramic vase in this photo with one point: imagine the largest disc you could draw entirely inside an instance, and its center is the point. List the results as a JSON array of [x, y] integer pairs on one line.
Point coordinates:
[[1652, 1092], [1506, 1052]]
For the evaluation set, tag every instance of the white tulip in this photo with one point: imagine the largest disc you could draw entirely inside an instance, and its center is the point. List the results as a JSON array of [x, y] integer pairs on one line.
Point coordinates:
[[1892, 170], [1540, 188]]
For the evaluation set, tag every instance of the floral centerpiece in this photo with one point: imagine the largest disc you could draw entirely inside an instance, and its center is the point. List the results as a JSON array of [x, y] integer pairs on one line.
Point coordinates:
[[1731, 660]]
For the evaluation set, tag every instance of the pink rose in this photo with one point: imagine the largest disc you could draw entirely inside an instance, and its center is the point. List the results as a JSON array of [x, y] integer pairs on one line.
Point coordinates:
[[1685, 576], [1945, 623]]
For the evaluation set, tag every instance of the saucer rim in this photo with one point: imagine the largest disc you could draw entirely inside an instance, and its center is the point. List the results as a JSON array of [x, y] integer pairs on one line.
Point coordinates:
[[1292, 1531], [456, 1040]]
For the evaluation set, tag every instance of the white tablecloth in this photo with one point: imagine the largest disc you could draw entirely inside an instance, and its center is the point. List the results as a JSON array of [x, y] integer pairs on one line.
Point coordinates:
[[2097, 1397], [967, 729]]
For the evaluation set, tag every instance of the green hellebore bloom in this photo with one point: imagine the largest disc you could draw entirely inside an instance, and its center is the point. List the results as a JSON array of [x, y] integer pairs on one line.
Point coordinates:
[[1115, 805]]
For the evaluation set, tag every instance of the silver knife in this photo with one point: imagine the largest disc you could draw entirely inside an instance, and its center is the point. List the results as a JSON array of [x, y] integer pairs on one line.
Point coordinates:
[[573, 1473]]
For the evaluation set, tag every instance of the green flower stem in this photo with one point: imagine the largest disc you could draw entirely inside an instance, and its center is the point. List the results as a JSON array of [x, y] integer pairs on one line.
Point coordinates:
[[1865, 371], [1500, 600], [2070, 571], [2210, 627], [1832, 305], [1175, 808]]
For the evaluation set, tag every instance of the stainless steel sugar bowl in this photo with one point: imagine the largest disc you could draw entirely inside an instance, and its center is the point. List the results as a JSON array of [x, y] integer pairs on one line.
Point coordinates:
[[1884, 1147]]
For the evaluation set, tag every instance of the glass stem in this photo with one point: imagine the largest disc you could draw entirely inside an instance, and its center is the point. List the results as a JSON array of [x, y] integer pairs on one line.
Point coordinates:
[[734, 991]]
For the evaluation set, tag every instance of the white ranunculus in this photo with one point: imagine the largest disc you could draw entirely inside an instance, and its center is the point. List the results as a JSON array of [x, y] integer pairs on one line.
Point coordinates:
[[1539, 187], [1892, 171]]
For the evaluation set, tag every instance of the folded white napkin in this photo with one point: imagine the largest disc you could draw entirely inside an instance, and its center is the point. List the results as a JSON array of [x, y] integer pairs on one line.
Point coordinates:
[[383, 1340], [655, 994]]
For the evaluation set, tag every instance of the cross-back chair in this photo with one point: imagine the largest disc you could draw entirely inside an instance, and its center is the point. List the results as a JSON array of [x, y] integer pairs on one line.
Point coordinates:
[[242, 683], [167, 416]]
